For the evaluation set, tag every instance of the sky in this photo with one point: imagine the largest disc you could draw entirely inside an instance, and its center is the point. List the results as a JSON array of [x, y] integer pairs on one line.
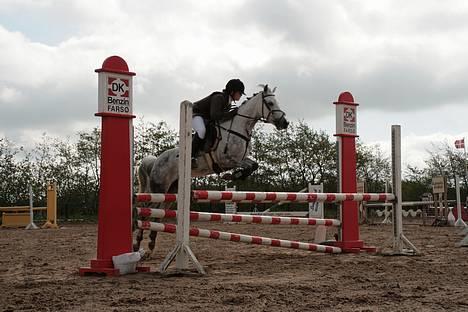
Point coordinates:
[[405, 62]]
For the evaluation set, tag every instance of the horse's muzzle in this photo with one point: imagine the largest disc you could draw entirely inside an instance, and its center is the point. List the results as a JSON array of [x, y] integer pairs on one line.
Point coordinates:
[[282, 123]]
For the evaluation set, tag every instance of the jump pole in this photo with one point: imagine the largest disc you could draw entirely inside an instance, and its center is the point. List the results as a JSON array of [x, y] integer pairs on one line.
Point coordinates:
[[204, 196], [243, 238], [115, 192], [227, 217]]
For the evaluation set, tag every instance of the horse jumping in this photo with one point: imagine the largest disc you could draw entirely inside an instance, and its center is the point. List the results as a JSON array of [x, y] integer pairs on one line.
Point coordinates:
[[230, 150]]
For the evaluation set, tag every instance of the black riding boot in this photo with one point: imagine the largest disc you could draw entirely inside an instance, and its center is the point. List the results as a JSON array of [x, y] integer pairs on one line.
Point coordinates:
[[197, 145]]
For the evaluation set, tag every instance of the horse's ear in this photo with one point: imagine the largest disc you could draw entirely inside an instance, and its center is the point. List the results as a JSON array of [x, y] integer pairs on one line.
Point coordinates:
[[274, 89], [265, 89]]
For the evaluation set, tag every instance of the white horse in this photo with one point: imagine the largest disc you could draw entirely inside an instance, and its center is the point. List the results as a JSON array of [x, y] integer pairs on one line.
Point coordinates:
[[229, 150]]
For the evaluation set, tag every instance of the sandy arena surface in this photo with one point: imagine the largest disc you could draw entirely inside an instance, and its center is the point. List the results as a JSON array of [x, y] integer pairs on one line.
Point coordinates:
[[39, 272]]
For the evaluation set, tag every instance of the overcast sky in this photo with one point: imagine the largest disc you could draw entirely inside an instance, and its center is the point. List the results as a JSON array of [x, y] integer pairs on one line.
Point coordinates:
[[405, 62]]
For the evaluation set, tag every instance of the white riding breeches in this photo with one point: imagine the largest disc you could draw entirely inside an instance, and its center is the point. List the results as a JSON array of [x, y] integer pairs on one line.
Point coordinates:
[[198, 124]]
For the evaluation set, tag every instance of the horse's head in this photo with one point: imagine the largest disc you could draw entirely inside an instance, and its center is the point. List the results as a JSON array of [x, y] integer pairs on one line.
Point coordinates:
[[270, 110]]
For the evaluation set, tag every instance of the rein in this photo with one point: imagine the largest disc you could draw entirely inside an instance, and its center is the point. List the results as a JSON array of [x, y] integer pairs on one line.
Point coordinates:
[[248, 135], [270, 111]]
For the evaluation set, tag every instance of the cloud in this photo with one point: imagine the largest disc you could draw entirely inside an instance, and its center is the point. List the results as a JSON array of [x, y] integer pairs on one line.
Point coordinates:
[[400, 59], [9, 95], [379, 51]]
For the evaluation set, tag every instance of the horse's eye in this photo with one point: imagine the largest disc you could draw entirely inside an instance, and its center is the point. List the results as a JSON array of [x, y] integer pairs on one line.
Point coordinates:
[[270, 104]]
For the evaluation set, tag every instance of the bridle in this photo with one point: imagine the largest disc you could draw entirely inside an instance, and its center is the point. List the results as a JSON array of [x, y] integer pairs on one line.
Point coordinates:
[[269, 110], [247, 136]]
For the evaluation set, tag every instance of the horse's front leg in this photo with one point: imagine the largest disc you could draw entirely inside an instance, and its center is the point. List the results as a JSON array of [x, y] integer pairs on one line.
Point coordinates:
[[139, 232], [138, 239], [245, 169], [152, 243]]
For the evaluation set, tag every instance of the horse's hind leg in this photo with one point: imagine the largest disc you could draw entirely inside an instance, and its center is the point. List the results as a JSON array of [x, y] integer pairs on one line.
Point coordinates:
[[143, 173], [152, 243], [154, 234], [139, 238]]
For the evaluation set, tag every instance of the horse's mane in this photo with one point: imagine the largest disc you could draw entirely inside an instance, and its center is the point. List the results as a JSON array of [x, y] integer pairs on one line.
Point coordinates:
[[255, 94]]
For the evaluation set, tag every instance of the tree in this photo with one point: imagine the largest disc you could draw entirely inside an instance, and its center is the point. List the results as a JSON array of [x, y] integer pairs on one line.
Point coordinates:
[[373, 167], [15, 173], [444, 160], [292, 158], [153, 138]]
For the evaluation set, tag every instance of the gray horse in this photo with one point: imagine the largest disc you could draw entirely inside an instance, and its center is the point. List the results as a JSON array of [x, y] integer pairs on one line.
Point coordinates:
[[229, 151]]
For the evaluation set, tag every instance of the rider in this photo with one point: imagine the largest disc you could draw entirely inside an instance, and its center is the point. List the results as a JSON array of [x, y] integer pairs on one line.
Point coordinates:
[[214, 107]]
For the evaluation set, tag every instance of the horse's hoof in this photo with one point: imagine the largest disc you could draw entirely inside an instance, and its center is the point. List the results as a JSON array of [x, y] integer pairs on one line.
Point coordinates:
[[227, 176], [146, 256]]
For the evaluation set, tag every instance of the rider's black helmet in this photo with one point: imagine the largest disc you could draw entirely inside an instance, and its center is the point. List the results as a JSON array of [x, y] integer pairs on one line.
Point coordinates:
[[235, 85]]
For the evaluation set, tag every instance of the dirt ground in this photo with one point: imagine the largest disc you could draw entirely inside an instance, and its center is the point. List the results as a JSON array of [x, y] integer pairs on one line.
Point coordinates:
[[39, 272]]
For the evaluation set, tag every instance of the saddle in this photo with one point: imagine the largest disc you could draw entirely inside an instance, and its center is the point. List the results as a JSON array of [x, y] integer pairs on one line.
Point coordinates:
[[211, 142]]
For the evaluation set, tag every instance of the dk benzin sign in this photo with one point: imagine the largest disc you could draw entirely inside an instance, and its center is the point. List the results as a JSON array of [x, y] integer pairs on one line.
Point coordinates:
[[115, 93]]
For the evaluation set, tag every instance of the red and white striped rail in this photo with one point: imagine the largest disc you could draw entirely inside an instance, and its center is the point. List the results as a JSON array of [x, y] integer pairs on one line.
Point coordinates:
[[155, 198], [233, 237], [246, 197], [266, 197], [205, 216]]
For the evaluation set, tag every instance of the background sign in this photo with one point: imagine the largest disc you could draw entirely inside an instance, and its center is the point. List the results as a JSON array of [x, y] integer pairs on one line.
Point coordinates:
[[115, 94], [438, 185], [230, 208], [316, 209], [346, 119]]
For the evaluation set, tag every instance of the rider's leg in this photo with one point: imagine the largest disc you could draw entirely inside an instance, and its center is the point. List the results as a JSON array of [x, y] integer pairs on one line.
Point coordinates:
[[196, 144], [197, 141], [198, 124]]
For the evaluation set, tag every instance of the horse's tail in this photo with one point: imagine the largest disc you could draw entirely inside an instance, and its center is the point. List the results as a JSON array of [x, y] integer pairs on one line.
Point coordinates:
[[142, 179], [144, 174]]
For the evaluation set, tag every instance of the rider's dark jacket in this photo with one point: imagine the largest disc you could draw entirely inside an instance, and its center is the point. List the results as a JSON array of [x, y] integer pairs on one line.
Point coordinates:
[[215, 106]]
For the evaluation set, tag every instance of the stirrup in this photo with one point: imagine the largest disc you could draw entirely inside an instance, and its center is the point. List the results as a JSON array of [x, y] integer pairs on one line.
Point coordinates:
[[194, 163]]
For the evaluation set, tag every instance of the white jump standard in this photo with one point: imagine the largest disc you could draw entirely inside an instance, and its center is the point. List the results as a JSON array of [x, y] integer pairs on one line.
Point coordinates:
[[399, 239]]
